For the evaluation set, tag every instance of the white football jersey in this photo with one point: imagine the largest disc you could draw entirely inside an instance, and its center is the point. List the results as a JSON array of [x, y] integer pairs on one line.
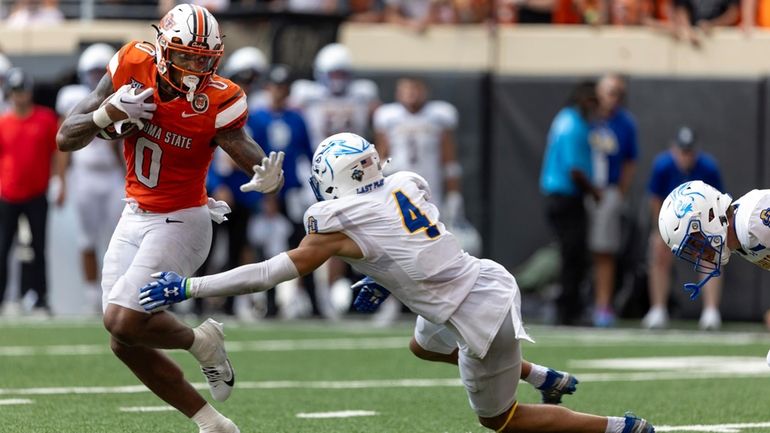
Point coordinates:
[[410, 252], [328, 114], [752, 226], [97, 155], [406, 248], [414, 139]]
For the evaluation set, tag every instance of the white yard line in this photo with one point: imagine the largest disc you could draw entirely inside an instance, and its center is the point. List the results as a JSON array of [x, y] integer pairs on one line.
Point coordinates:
[[338, 414], [331, 344], [551, 339], [374, 384], [143, 409], [713, 428], [15, 401]]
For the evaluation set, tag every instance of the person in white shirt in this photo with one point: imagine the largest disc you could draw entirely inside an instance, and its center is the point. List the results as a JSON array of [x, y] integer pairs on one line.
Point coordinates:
[[97, 175], [469, 308]]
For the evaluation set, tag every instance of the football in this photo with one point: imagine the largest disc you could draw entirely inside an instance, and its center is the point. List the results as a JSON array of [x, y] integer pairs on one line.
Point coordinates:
[[109, 132]]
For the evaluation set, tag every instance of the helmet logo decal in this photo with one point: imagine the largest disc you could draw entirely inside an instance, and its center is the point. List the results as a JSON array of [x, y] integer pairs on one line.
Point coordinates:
[[312, 225], [683, 201], [167, 22], [200, 102], [765, 216], [357, 175]]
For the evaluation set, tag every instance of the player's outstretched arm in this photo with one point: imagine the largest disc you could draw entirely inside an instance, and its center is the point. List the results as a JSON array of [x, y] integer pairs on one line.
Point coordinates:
[[313, 251], [266, 171]]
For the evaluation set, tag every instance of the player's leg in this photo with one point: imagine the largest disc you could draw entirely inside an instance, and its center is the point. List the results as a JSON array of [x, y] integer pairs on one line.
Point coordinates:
[[660, 263], [36, 211], [437, 343], [133, 251], [491, 383], [9, 217], [603, 241], [710, 319], [90, 206]]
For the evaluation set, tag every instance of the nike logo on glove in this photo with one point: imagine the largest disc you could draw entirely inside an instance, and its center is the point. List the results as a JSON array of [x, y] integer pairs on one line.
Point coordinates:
[[169, 221]]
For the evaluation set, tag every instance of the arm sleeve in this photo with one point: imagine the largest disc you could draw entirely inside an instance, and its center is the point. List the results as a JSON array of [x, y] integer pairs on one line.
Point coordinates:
[[251, 278], [655, 186]]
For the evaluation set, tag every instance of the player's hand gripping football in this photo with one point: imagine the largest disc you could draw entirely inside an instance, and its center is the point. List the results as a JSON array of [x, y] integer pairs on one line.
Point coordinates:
[[371, 295], [268, 177], [170, 288], [131, 106]]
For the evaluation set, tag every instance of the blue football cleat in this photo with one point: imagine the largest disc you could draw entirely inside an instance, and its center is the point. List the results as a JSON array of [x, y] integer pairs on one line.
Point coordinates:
[[635, 424], [556, 385]]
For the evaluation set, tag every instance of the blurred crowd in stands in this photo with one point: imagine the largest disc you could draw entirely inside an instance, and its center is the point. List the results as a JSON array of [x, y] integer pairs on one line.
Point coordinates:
[[684, 19]]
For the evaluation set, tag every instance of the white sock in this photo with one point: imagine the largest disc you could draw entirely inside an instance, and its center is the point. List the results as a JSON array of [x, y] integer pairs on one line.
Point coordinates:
[[615, 424], [199, 349], [207, 417], [537, 375]]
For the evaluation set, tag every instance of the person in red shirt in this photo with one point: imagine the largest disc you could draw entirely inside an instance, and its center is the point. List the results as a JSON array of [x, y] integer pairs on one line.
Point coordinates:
[[27, 156], [183, 110]]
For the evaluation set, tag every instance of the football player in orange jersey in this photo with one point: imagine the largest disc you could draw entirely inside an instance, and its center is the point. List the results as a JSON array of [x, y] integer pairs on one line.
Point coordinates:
[[184, 110]]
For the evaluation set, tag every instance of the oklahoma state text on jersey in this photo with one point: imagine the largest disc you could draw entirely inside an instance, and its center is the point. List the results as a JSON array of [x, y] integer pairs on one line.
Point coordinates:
[[166, 162]]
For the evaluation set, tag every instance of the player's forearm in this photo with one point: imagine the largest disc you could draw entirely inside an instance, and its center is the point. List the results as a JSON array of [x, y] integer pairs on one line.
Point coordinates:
[[241, 148], [76, 132], [256, 277]]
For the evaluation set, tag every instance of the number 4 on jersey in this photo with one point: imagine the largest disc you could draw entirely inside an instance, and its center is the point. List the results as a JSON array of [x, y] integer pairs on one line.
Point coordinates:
[[414, 219]]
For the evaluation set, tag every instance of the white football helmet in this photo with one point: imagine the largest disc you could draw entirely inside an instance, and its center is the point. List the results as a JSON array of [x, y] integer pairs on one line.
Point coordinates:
[[245, 65], [693, 223], [333, 68], [93, 62], [344, 164], [190, 45]]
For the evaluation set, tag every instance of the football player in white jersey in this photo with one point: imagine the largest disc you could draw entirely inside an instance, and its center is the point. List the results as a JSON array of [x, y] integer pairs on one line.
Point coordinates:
[[335, 102], [97, 174], [469, 308], [418, 135], [246, 67], [703, 226]]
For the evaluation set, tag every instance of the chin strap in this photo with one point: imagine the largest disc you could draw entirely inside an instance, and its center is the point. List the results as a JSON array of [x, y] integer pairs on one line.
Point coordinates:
[[694, 288], [191, 81]]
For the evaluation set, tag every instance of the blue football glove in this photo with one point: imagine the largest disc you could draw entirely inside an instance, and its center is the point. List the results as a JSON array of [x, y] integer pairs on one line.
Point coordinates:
[[370, 297], [169, 289]]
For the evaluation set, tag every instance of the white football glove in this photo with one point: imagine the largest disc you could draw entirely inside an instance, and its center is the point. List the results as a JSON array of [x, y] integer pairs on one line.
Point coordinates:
[[268, 177], [132, 104]]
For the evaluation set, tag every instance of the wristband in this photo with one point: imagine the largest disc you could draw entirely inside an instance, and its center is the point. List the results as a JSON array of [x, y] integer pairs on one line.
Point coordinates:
[[101, 118]]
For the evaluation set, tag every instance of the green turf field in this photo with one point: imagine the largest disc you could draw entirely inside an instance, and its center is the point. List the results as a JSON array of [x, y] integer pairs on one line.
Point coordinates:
[[59, 377]]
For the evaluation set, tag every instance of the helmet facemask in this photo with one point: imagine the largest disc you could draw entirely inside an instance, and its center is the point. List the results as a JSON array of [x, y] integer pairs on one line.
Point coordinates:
[[696, 213]]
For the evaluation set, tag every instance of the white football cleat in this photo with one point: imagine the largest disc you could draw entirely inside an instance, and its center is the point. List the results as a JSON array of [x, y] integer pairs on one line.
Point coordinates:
[[213, 359], [710, 319], [656, 318], [227, 426]]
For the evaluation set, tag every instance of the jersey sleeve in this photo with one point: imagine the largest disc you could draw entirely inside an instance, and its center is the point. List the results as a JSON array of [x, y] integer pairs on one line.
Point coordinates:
[[759, 218], [444, 114], [322, 217], [656, 185], [234, 111], [383, 116], [365, 90], [125, 63]]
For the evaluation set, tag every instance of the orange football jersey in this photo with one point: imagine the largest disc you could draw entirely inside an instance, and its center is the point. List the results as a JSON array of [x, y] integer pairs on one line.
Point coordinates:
[[167, 161]]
